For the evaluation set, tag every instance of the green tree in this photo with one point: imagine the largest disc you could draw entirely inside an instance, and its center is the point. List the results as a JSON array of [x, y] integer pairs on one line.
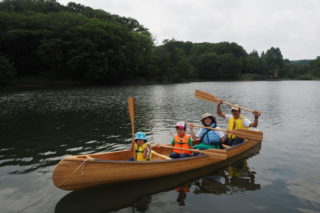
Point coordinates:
[[315, 67], [172, 64], [274, 60], [254, 65], [73, 42]]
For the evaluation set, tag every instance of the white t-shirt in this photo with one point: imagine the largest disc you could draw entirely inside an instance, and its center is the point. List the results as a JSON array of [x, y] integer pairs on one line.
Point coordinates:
[[219, 133], [246, 121]]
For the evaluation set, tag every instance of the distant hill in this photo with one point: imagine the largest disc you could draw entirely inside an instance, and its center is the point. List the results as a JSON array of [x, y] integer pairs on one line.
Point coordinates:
[[302, 62]]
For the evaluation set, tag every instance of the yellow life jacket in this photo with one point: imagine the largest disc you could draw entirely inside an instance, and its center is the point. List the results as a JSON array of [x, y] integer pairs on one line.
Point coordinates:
[[236, 171], [236, 124], [140, 150]]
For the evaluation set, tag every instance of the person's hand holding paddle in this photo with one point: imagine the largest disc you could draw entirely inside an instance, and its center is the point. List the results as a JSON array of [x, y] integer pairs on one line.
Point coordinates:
[[191, 125], [256, 117], [256, 114]]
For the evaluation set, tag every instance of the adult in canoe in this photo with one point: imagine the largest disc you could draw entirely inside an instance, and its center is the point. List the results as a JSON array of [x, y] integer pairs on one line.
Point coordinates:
[[207, 138], [181, 140], [237, 121]]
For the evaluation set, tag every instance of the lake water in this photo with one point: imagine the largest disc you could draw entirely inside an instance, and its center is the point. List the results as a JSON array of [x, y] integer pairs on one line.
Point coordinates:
[[39, 127]]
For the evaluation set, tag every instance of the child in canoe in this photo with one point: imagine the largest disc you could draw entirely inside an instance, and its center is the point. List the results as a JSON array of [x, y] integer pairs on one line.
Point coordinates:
[[181, 140], [207, 138], [142, 148]]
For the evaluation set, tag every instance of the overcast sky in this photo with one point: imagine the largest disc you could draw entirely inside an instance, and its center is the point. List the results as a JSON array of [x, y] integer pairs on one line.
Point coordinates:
[[291, 25]]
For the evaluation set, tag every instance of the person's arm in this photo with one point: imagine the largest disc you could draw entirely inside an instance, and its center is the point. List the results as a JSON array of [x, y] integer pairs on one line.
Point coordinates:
[[256, 117], [190, 143], [194, 137], [172, 142], [219, 112], [221, 135]]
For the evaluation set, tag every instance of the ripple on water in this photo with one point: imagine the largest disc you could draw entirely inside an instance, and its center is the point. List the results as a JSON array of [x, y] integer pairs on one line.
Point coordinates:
[[47, 153], [75, 149], [91, 142]]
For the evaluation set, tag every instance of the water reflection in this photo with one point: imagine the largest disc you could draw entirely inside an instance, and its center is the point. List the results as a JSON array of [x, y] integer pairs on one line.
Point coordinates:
[[182, 193], [236, 178], [142, 203], [138, 194]]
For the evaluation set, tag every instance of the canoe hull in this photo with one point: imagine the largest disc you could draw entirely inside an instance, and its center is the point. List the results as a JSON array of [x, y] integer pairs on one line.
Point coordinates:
[[79, 172]]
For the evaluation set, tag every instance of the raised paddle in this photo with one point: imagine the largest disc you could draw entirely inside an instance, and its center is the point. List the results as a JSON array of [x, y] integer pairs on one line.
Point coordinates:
[[211, 98], [213, 153], [241, 133], [132, 115]]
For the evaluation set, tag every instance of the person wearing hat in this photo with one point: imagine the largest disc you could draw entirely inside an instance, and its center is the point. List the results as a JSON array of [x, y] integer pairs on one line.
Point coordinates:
[[142, 148], [207, 138], [181, 140], [237, 121]]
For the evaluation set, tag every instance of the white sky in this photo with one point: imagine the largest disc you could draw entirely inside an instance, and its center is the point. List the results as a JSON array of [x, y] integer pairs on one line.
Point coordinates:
[[291, 25]]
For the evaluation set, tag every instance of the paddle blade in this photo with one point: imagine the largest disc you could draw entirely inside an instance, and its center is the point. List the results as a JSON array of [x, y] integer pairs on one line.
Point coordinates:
[[206, 96], [131, 109], [250, 134]]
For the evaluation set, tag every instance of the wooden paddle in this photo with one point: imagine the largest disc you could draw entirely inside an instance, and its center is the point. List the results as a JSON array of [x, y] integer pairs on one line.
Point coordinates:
[[211, 98], [241, 133], [160, 155], [214, 153], [132, 115]]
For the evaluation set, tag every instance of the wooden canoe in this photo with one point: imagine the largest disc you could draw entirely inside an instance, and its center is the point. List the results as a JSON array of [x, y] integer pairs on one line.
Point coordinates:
[[110, 197], [84, 171]]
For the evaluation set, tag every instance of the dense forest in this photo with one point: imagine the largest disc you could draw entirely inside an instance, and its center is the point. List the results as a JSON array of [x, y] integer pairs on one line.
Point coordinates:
[[42, 39]]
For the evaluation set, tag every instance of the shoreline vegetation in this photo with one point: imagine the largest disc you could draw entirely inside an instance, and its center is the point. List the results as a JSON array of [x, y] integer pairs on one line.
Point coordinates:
[[41, 84], [46, 44]]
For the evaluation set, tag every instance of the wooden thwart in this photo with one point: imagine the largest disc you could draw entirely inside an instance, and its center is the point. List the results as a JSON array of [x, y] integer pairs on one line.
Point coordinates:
[[211, 98], [214, 153]]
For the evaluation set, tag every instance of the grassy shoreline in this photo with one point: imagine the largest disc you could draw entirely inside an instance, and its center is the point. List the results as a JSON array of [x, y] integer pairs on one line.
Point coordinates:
[[45, 83]]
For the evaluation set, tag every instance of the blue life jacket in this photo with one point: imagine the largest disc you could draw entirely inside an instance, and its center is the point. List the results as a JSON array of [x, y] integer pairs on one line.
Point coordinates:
[[210, 137]]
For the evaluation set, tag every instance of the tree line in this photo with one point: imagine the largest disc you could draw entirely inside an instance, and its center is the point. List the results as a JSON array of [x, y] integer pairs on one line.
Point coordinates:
[[46, 40]]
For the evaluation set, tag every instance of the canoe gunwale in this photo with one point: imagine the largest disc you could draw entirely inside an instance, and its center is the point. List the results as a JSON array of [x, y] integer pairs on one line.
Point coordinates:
[[97, 160], [92, 158]]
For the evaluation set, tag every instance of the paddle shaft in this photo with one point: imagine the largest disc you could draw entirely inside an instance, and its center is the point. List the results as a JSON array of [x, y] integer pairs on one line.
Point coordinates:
[[132, 115], [185, 149], [249, 110], [158, 154], [206, 152], [211, 98], [206, 127], [241, 133]]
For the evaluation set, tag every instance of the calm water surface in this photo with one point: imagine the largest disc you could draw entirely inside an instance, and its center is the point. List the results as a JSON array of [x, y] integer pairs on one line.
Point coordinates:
[[39, 127]]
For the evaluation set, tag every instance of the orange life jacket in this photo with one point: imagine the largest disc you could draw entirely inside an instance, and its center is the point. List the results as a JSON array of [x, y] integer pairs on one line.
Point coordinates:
[[185, 188], [182, 143]]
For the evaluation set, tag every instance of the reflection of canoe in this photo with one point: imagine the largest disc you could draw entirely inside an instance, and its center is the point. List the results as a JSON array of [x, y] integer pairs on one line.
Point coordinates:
[[239, 178], [83, 171], [116, 196]]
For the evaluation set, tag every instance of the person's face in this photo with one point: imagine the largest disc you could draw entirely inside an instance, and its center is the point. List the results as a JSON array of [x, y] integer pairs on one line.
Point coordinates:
[[235, 113], [180, 131], [207, 121], [140, 142]]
